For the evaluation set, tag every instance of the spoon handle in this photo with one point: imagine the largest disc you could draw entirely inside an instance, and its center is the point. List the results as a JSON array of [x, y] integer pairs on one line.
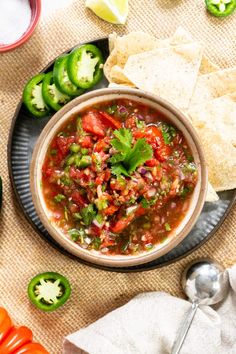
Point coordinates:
[[184, 329]]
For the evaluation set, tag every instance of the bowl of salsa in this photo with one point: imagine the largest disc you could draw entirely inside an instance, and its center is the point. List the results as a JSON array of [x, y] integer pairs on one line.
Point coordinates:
[[118, 177]]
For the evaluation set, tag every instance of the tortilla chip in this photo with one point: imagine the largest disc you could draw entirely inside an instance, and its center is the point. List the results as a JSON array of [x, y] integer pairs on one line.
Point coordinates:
[[170, 73], [112, 41], [181, 36], [115, 85], [133, 43], [214, 85], [211, 196], [110, 62], [207, 66], [117, 75], [220, 113], [220, 157]]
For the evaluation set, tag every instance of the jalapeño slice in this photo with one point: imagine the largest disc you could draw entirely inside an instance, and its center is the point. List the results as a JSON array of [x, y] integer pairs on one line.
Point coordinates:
[[51, 95], [33, 98], [85, 66], [61, 78], [49, 291], [221, 8]]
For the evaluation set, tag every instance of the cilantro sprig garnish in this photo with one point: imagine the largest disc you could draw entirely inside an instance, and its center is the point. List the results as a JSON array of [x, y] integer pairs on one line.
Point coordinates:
[[129, 156]]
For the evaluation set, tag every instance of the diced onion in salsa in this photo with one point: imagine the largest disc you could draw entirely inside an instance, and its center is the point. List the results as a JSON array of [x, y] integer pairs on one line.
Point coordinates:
[[118, 178]]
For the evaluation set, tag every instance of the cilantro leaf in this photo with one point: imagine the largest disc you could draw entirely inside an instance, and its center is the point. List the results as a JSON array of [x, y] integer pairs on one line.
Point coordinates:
[[117, 158], [168, 133], [140, 153], [185, 191], [147, 203], [123, 141], [77, 234], [144, 203], [119, 169], [88, 214], [97, 243], [59, 197]]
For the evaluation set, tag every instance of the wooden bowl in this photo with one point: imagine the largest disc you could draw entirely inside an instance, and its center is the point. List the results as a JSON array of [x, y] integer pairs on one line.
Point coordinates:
[[175, 117]]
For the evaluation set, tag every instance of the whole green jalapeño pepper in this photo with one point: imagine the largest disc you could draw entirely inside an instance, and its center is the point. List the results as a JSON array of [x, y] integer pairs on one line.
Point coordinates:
[[221, 8], [51, 95], [48, 291], [61, 78], [85, 66], [33, 98]]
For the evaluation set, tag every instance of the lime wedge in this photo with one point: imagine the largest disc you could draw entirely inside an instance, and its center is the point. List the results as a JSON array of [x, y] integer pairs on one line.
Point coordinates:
[[113, 11]]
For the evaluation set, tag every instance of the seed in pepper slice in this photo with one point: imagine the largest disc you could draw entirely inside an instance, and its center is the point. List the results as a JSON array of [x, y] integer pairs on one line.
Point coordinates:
[[221, 8], [49, 291], [61, 78], [85, 66], [33, 98], [51, 95]]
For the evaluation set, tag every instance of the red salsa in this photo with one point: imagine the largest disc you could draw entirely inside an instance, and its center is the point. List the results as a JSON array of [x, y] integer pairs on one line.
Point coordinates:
[[118, 178]]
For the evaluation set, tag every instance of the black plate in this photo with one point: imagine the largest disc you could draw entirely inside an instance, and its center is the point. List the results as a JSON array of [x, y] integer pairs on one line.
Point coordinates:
[[23, 135]]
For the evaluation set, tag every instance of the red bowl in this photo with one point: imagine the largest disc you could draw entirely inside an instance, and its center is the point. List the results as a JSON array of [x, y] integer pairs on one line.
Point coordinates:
[[35, 15]]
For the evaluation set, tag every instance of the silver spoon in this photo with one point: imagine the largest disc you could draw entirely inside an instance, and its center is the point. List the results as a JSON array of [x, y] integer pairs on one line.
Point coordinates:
[[204, 283]]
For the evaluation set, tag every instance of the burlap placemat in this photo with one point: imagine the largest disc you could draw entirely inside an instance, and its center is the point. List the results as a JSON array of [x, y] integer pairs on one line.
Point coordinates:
[[22, 252]]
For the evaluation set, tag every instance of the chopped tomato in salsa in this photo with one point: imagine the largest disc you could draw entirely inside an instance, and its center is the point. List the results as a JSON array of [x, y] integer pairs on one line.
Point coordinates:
[[118, 178]]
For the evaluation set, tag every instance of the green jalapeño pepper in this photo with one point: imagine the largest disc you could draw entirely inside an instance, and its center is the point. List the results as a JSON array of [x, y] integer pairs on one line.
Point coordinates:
[[48, 291], [85, 66], [32, 97], [51, 95], [61, 78], [220, 8]]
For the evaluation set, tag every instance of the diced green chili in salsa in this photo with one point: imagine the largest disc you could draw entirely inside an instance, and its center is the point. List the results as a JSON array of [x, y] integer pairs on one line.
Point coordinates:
[[118, 178]]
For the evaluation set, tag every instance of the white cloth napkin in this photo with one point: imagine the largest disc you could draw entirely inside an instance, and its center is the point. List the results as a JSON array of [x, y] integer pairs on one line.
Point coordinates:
[[149, 324]]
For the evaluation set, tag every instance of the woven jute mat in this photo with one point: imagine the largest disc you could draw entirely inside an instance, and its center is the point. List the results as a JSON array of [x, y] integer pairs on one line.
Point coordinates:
[[22, 252]]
